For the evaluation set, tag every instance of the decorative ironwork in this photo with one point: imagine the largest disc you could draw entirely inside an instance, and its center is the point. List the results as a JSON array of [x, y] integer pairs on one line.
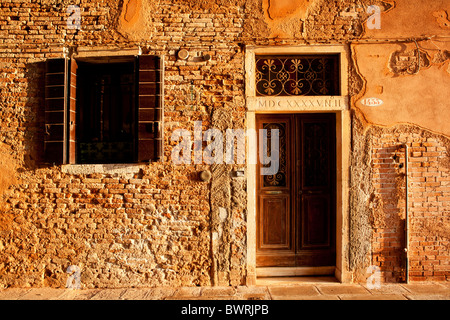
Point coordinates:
[[279, 179], [297, 75]]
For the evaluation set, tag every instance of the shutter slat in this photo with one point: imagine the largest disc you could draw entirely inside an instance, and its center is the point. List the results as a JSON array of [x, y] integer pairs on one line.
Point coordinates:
[[54, 104], [147, 115], [55, 131], [53, 79], [54, 117], [55, 91], [149, 76], [148, 100]]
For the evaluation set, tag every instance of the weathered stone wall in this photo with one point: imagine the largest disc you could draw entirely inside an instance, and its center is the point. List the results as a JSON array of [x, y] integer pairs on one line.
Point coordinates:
[[159, 224], [145, 225]]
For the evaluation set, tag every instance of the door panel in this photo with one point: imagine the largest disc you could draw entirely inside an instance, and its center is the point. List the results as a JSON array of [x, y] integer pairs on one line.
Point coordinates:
[[275, 231], [316, 226], [316, 170], [296, 207]]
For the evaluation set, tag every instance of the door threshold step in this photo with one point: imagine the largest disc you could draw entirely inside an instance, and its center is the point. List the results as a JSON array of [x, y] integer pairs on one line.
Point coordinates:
[[294, 271]]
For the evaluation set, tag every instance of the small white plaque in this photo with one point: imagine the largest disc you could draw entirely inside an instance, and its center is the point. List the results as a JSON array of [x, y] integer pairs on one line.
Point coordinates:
[[372, 102]]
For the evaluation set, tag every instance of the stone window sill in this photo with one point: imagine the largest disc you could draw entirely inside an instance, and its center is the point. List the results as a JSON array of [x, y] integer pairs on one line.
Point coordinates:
[[125, 170]]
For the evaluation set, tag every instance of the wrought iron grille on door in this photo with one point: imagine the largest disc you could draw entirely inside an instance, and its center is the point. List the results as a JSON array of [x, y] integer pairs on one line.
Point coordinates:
[[302, 75]]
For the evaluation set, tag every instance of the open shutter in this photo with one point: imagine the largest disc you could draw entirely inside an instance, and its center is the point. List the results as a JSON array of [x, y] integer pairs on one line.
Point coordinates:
[[150, 109], [55, 111], [72, 111]]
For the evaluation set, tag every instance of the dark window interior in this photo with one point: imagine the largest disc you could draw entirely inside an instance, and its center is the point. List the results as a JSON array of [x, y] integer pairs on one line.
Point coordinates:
[[106, 111]]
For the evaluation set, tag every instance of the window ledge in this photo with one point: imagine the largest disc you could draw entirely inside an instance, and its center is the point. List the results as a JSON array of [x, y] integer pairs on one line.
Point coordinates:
[[125, 170]]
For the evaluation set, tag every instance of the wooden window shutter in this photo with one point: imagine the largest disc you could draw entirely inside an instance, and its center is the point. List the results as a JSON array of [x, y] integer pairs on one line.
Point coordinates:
[[150, 108], [60, 116], [56, 95]]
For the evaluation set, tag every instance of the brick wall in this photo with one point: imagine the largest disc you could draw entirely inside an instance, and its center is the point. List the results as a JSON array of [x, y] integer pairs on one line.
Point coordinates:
[[428, 205]]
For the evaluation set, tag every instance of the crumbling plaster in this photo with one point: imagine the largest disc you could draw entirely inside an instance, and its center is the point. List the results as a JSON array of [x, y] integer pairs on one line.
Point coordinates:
[[417, 96]]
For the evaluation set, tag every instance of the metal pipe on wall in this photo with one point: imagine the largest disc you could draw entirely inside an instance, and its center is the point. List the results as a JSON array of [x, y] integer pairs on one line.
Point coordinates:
[[406, 215]]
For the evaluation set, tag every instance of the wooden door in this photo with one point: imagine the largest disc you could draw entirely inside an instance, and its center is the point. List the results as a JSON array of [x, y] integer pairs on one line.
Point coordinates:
[[296, 206]]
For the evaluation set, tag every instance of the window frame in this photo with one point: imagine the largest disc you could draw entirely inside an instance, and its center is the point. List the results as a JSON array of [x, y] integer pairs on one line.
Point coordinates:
[[60, 108]]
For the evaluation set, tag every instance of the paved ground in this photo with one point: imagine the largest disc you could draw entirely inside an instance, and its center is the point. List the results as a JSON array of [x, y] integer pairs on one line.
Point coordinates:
[[273, 289]]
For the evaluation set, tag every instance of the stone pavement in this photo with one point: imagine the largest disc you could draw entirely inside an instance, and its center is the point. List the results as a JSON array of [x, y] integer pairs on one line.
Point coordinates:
[[265, 289]]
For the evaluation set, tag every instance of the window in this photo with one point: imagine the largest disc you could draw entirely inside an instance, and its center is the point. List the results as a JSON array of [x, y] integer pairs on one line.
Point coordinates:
[[106, 113], [297, 75], [104, 110]]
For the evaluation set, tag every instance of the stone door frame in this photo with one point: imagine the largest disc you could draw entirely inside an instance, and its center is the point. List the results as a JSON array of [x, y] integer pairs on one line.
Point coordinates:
[[340, 105]]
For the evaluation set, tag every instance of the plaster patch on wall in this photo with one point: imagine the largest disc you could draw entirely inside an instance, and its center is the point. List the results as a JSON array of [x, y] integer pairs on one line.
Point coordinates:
[[407, 90], [131, 8], [410, 18], [286, 18], [282, 8], [135, 19], [442, 19]]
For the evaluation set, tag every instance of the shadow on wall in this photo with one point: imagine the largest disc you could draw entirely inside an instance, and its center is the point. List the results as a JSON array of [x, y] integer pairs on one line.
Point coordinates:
[[33, 125], [23, 143]]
